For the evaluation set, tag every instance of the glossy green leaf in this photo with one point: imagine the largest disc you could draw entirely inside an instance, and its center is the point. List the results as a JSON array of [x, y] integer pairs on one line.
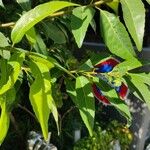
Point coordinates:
[[115, 100], [41, 97], [115, 35], [25, 4], [4, 121], [142, 88], [85, 101], [54, 32], [134, 17], [14, 67], [32, 17], [114, 5], [80, 20]]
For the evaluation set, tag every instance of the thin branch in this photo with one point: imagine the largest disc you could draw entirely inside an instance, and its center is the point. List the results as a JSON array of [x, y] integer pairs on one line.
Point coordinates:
[[5, 25], [29, 112], [57, 14]]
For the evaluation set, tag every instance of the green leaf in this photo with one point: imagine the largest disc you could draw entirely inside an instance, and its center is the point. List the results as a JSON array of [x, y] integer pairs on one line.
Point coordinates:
[[127, 65], [80, 20], [39, 45], [148, 1], [86, 102], [4, 121], [114, 99], [134, 17], [1, 3], [114, 5], [14, 67], [115, 35], [25, 4], [31, 36], [3, 40], [54, 32], [83, 99], [32, 17], [48, 61], [142, 77], [142, 88], [4, 43], [41, 96]]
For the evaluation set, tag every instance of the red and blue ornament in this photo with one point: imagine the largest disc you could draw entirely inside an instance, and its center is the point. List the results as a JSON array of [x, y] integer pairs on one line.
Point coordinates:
[[107, 66]]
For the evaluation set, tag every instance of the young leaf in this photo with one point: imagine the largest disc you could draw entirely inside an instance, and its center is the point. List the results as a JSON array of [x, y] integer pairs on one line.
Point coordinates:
[[83, 99], [114, 5], [142, 88], [40, 96], [115, 35], [134, 17], [80, 20], [4, 121], [32, 17], [14, 67]]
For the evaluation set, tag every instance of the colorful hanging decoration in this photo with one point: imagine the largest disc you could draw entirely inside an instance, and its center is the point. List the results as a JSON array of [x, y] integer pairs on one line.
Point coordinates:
[[106, 67]]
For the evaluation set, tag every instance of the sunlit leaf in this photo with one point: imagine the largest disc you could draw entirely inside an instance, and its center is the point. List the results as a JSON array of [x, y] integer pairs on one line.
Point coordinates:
[[115, 35], [83, 99], [32, 17], [41, 96], [134, 17], [4, 121], [80, 20]]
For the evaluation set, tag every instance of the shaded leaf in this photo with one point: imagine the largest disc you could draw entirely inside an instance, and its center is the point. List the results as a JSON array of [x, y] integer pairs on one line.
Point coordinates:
[[83, 99], [80, 20], [134, 17], [115, 35], [25, 4], [32, 17], [14, 67], [54, 32]]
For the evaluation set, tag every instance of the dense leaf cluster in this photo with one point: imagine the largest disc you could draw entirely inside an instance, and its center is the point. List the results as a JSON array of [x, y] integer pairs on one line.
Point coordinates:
[[41, 47]]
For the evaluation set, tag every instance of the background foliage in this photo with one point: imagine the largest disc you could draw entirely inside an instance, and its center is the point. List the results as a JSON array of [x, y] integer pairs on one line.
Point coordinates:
[[38, 61]]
